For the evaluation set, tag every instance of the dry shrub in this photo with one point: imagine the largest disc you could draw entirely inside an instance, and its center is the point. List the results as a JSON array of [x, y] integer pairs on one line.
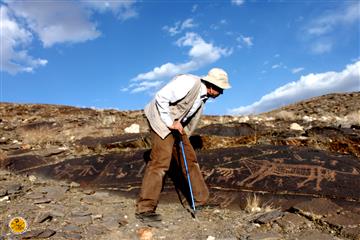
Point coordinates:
[[353, 118], [285, 115], [255, 205], [3, 155], [40, 135]]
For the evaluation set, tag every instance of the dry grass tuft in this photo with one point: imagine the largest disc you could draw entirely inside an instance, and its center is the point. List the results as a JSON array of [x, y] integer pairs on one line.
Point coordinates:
[[39, 136], [255, 205], [285, 115], [3, 155], [353, 118]]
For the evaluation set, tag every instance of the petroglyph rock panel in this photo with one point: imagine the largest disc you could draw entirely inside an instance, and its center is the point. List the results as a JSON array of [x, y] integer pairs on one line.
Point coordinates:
[[273, 169]]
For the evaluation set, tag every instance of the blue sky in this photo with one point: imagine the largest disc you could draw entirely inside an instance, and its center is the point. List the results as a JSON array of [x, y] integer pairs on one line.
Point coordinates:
[[117, 54]]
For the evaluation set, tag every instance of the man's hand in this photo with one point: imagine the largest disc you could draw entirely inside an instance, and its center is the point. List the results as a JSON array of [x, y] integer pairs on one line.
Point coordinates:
[[177, 126]]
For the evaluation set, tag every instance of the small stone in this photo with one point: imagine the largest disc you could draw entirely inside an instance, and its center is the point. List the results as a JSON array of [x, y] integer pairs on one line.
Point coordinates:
[[268, 217], [145, 233], [74, 185], [292, 222], [57, 213], [111, 222], [134, 128], [296, 127], [3, 192], [32, 178], [6, 198], [80, 213], [26, 146], [210, 238], [47, 233], [89, 191], [123, 222], [81, 220], [39, 233], [72, 228], [96, 230], [32, 234], [43, 200], [42, 217], [72, 236], [265, 236], [14, 189], [34, 195], [97, 216]]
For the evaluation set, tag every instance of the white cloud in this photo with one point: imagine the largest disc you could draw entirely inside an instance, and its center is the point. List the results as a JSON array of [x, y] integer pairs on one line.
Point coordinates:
[[238, 2], [220, 24], [180, 26], [297, 70], [321, 47], [194, 8], [278, 65], [14, 40], [248, 41], [322, 31], [275, 66], [327, 22], [122, 9], [53, 22], [201, 53], [243, 40], [143, 86], [56, 22], [307, 86]]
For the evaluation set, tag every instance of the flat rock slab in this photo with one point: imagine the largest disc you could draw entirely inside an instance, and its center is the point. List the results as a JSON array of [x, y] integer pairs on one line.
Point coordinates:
[[313, 234], [134, 140], [293, 223], [318, 208], [344, 219], [229, 130], [18, 164]]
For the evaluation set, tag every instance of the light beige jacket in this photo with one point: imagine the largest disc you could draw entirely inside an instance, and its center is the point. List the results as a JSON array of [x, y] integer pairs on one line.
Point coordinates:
[[178, 111]]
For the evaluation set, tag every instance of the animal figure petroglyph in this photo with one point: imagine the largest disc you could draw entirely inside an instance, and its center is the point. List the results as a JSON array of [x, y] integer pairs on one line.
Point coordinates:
[[262, 169], [68, 171], [63, 171], [87, 170], [121, 173], [224, 199]]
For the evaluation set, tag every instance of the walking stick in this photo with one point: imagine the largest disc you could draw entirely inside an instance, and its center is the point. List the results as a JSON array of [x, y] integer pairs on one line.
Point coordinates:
[[187, 175]]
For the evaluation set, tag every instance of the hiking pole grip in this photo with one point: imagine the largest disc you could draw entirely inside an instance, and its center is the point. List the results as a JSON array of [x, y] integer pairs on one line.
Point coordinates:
[[187, 175]]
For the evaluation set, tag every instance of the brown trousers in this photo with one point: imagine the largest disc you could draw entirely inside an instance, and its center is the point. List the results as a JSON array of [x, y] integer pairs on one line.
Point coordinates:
[[162, 152]]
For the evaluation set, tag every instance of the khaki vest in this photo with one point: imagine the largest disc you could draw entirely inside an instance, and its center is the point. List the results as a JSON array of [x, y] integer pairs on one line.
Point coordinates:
[[178, 111]]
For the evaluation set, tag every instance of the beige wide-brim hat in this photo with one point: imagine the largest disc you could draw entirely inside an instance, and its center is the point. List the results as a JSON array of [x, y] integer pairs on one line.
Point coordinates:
[[218, 77]]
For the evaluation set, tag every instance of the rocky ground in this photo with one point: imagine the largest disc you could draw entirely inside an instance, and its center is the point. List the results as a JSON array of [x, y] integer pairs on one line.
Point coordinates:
[[61, 210], [291, 173]]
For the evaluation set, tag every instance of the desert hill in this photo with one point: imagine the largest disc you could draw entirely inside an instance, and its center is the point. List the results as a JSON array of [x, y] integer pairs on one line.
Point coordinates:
[[334, 104], [301, 159]]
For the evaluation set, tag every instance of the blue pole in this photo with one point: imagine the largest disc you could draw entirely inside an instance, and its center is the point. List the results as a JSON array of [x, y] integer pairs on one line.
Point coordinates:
[[188, 175]]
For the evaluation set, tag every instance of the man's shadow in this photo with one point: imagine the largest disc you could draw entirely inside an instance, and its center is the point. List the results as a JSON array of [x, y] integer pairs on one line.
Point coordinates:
[[175, 171]]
